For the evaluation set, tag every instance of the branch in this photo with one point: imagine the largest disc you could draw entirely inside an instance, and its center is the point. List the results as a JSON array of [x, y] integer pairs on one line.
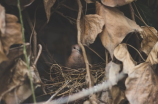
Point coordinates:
[[80, 44]]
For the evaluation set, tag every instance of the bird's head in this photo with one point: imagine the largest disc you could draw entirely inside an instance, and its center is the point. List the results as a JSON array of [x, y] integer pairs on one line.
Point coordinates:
[[76, 48]]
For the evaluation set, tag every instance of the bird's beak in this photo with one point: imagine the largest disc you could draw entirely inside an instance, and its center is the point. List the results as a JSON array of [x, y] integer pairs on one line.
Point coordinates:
[[80, 51]]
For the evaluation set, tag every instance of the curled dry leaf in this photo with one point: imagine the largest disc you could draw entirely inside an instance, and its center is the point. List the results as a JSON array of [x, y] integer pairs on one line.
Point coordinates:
[[6, 68], [150, 37], [89, 1], [152, 57], [141, 81], [2, 20], [47, 5], [23, 3], [2, 32], [91, 26], [18, 86], [116, 3], [113, 96], [13, 54], [117, 26], [12, 34], [122, 54]]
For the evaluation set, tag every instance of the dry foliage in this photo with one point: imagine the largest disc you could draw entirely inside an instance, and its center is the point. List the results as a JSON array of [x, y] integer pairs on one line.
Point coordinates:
[[149, 36], [115, 3], [47, 5], [141, 83], [112, 26], [117, 26], [91, 26]]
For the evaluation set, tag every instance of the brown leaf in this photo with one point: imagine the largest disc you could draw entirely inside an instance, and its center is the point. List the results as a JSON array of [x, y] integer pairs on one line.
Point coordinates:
[[91, 26], [17, 87], [11, 18], [12, 36], [152, 57], [3, 57], [12, 33], [23, 3], [117, 26], [2, 20], [47, 5], [122, 54], [141, 83], [116, 3], [13, 54], [150, 37], [89, 1]]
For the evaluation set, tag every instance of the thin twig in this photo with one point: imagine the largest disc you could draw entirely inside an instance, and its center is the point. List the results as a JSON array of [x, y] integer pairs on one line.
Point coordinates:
[[38, 55], [144, 21], [80, 44], [25, 53], [132, 11], [96, 53], [34, 34], [137, 51], [67, 82]]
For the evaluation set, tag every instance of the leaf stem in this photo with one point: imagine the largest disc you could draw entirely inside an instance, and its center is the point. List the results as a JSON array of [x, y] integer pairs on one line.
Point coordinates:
[[24, 50]]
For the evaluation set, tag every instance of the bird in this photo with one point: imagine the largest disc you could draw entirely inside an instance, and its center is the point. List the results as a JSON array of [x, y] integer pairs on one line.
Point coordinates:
[[75, 60]]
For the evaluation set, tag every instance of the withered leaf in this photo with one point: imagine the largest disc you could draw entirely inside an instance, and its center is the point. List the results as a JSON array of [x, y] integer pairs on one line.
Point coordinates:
[[91, 26], [2, 20], [17, 87], [3, 57], [47, 5], [141, 83], [117, 26], [115, 3], [23, 3], [122, 54], [12, 36], [149, 39], [89, 1], [152, 57], [11, 18]]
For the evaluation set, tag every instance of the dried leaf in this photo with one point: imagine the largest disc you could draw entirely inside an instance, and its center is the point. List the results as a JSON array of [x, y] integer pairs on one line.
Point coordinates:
[[116, 3], [2, 20], [149, 39], [152, 57], [17, 87], [12, 36], [47, 5], [141, 83], [89, 1], [3, 57], [13, 54], [117, 26], [122, 54], [91, 26], [11, 18], [23, 3]]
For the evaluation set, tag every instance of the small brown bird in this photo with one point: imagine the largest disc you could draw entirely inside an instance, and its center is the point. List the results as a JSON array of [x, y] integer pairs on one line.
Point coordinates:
[[75, 60]]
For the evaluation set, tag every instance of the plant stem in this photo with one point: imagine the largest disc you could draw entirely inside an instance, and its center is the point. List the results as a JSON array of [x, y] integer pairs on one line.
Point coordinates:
[[24, 50]]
